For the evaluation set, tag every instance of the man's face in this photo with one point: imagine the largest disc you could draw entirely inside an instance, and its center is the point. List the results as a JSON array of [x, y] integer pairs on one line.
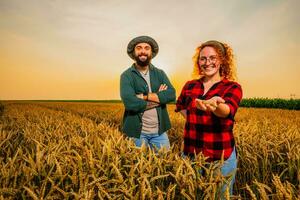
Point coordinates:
[[142, 54]]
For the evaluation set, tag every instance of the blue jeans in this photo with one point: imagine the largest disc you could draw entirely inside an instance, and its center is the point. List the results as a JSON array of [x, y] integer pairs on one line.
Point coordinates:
[[154, 141], [228, 169]]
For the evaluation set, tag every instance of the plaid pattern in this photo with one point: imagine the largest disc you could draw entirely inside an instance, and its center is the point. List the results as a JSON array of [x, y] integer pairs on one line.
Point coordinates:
[[205, 132]]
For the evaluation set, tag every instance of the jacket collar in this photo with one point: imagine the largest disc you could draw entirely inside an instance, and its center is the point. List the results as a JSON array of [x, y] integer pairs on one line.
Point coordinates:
[[133, 69]]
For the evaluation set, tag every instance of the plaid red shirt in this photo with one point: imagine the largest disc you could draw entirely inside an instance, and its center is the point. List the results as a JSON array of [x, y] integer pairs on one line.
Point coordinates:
[[205, 132]]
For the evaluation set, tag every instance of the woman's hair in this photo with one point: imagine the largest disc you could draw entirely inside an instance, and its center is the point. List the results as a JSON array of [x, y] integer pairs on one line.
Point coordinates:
[[225, 53]]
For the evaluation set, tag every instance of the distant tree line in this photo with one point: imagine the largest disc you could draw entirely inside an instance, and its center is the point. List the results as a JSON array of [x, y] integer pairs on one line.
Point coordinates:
[[290, 104]]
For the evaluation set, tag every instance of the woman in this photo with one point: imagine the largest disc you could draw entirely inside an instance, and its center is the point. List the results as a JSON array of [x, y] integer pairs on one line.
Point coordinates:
[[209, 104]]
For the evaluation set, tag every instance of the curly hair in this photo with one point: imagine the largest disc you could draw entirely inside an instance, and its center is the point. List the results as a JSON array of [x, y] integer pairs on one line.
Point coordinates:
[[228, 67]]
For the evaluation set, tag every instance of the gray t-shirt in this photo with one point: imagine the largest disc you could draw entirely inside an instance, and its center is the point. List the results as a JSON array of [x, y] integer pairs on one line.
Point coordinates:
[[150, 118]]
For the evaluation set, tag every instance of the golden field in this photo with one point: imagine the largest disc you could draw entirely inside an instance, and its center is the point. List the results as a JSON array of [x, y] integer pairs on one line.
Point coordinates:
[[52, 150]]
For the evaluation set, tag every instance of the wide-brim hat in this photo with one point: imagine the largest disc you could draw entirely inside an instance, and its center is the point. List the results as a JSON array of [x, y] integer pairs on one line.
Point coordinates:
[[142, 39]]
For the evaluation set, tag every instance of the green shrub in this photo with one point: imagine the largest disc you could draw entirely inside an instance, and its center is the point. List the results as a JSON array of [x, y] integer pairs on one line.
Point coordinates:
[[290, 104]]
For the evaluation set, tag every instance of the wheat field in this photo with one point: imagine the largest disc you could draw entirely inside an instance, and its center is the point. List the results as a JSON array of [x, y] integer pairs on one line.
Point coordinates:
[[55, 150]]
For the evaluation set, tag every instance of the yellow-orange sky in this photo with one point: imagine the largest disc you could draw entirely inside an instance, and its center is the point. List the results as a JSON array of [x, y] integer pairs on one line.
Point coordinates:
[[77, 49]]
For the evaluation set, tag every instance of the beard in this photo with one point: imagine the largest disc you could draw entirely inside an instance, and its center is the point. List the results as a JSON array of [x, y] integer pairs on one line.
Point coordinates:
[[140, 62]]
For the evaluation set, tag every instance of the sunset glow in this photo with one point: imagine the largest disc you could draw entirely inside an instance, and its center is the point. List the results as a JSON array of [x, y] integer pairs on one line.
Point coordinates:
[[77, 49]]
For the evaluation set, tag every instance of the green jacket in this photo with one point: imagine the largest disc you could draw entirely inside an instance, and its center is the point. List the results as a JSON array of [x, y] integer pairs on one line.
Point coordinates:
[[131, 84]]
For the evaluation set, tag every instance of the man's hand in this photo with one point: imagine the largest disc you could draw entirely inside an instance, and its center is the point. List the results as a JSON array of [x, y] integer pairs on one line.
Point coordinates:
[[162, 87], [153, 96], [141, 96], [151, 105]]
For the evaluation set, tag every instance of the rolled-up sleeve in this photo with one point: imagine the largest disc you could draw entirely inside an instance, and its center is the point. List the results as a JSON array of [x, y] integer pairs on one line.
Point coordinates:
[[183, 99], [233, 98], [168, 95]]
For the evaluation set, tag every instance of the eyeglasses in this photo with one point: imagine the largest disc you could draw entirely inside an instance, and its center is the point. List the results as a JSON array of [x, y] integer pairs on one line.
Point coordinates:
[[204, 59]]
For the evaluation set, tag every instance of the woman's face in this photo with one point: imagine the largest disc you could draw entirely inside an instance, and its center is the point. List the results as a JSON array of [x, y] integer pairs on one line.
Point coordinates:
[[209, 62]]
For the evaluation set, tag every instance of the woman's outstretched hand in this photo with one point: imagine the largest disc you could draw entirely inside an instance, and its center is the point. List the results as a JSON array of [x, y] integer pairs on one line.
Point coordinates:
[[210, 104]]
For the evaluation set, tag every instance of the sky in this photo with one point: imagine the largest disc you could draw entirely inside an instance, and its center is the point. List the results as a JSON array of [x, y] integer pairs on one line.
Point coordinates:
[[71, 49]]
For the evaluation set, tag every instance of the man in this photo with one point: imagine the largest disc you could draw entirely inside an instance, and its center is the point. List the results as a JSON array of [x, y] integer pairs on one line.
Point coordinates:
[[145, 90]]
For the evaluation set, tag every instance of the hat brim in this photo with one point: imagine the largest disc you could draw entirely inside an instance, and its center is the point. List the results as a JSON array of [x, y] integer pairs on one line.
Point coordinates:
[[142, 39]]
